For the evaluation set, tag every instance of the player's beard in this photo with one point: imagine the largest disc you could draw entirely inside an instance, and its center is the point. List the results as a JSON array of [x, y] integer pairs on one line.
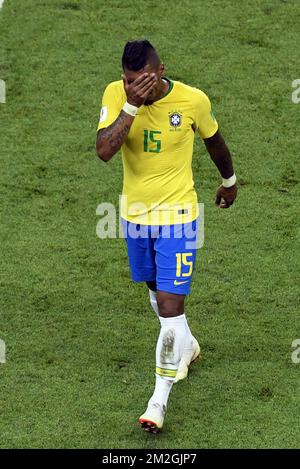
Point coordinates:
[[150, 99], [152, 96]]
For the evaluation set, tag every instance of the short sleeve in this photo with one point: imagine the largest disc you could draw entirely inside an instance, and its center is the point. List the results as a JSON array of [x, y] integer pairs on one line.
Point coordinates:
[[205, 121], [111, 105]]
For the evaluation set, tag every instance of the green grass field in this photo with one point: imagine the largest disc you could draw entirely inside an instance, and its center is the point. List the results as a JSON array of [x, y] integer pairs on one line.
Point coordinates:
[[80, 336]]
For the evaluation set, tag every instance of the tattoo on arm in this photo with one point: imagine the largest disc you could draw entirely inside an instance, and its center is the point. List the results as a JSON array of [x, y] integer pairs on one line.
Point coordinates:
[[116, 133]]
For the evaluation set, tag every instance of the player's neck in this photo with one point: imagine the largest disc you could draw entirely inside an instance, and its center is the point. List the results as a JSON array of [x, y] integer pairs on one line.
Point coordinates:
[[164, 88]]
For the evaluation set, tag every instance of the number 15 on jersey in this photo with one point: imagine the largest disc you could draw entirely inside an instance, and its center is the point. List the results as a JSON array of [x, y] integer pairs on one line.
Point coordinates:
[[151, 143]]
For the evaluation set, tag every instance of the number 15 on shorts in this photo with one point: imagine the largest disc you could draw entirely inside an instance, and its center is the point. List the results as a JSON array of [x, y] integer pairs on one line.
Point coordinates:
[[183, 259]]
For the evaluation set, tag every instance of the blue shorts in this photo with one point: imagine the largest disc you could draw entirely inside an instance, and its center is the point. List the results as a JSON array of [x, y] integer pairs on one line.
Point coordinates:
[[164, 254]]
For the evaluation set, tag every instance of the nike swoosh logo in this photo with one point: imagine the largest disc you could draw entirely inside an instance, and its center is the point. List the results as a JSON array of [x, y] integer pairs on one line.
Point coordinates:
[[179, 283]]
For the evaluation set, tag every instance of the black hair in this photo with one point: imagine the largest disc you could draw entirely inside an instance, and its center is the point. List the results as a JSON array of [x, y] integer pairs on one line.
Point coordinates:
[[137, 54]]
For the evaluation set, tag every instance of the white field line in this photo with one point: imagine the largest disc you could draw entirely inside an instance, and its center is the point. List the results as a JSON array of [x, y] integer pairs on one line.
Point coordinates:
[[1, 3]]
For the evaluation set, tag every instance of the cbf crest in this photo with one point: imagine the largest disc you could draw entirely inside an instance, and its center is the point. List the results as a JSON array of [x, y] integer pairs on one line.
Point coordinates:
[[175, 119]]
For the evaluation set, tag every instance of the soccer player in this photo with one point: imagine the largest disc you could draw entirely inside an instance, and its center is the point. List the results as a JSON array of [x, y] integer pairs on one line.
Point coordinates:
[[154, 120]]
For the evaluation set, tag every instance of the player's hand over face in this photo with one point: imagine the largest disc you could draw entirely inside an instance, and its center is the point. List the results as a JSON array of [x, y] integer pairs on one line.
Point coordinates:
[[138, 90], [226, 196]]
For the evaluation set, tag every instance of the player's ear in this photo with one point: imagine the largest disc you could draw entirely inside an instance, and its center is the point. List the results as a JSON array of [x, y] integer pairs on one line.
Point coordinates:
[[161, 69]]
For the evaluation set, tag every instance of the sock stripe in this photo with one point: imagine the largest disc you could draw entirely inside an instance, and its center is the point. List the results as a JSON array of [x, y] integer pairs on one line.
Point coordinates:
[[166, 372]]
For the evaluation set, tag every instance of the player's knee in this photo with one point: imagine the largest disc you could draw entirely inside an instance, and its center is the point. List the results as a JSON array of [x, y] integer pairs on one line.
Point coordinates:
[[170, 305]]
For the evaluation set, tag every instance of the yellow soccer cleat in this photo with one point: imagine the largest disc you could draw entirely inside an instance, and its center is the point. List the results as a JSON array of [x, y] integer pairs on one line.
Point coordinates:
[[153, 419], [187, 359]]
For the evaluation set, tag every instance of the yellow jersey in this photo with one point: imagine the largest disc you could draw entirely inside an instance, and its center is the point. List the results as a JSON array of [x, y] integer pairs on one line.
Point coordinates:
[[158, 186]]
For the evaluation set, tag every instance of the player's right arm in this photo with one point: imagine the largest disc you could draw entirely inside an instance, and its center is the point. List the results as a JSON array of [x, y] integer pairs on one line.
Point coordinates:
[[111, 138]]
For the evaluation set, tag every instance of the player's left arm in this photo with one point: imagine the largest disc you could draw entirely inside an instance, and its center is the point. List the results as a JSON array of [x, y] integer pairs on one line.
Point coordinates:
[[220, 154], [207, 126]]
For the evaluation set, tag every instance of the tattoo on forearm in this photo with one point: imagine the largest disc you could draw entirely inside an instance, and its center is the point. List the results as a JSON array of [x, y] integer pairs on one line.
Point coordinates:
[[115, 134]]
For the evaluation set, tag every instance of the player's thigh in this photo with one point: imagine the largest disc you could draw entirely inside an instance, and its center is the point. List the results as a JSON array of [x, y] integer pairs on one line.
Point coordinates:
[[140, 250], [175, 256]]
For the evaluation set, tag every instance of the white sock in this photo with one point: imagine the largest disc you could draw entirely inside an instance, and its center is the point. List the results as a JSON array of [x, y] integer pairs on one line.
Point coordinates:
[[189, 336], [169, 350], [153, 302], [189, 340]]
